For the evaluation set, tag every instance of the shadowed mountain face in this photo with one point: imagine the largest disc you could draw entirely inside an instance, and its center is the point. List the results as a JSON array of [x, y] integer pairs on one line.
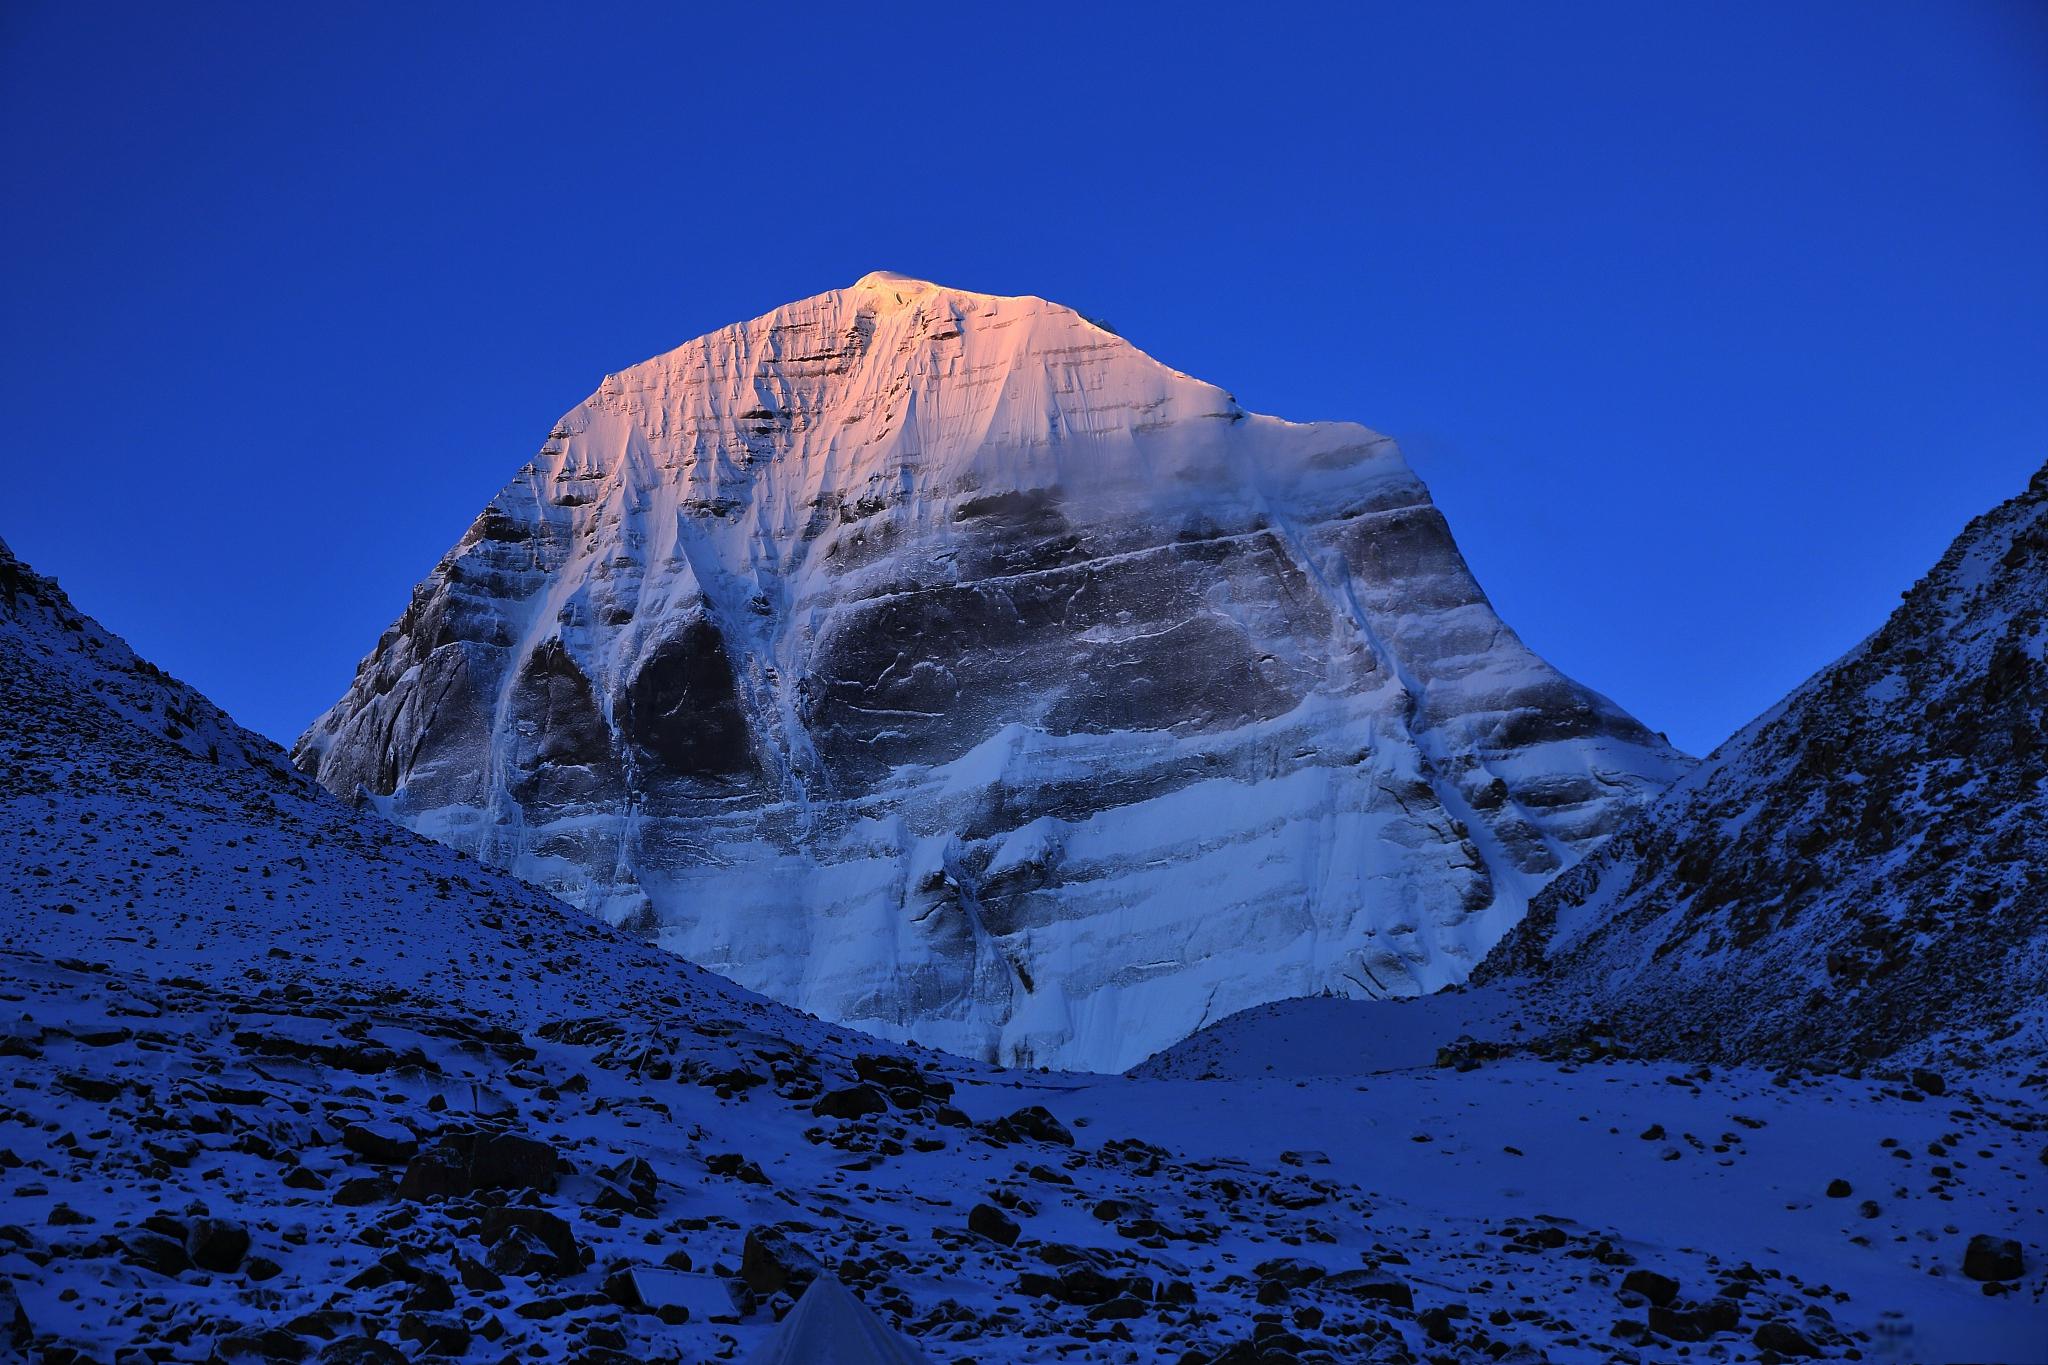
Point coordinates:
[[1858, 872], [942, 664]]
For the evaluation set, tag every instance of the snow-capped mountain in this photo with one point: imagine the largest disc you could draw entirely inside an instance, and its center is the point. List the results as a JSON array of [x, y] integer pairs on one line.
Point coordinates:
[[944, 665], [1857, 873]]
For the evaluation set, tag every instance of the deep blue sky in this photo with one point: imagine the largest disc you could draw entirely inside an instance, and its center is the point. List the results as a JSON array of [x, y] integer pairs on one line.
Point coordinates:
[[1709, 325]]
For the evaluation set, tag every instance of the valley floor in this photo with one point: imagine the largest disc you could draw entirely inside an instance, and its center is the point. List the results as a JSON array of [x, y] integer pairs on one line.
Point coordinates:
[[657, 1194]]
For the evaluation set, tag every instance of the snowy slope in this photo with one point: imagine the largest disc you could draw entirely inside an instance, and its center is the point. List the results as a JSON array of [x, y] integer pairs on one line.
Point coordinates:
[[944, 665], [1858, 873], [142, 822], [235, 1006], [1735, 1162]]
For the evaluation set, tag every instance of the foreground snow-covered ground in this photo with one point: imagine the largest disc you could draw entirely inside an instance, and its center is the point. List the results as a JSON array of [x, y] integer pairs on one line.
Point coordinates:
[[280, 1081], [1694, 1167], [1373, 1216]]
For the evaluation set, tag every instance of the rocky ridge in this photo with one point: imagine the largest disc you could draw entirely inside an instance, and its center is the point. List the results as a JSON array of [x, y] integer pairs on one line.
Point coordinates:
[[1857, 873]]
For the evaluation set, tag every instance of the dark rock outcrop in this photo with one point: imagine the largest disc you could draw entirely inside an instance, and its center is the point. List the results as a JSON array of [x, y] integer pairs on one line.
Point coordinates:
[[1855, 874]]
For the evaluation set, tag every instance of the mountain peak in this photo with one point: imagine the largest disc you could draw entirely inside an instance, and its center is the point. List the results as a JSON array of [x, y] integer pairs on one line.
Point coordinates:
[[891, 279], [891, 288], [912, 655]]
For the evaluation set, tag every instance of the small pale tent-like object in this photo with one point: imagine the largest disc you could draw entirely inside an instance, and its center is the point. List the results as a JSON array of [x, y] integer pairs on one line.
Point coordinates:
[[829, 1326]]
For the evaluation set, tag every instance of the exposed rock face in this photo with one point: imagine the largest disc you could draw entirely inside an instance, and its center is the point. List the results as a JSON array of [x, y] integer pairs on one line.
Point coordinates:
[[942, 664], [1858, 872]]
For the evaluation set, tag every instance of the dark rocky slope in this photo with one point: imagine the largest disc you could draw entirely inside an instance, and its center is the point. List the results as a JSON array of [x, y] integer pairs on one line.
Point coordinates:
[[1862, 871]]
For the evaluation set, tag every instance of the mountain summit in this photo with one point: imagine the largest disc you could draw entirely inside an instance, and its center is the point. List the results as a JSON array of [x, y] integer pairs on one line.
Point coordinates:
[[943, 664]]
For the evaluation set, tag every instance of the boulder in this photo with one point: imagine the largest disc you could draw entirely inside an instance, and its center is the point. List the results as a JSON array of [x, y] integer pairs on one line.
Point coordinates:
[[736, 1167], [1658, 1289], [855, 1101], [1993, 1258], [1033, 1123], [988, 1221], [438, 1334], [507, 1161], [1696, 1322], [563, 1253], [475, 1276], [1291, 1271], [1373, 1286], [154, 1251], [431, 1293], [611, 1199], [462, 1163], [900, 1074], [1785, 1339], [1084, 1285], [635, 1178], [217, 1244], [772, 1260], [388, 1144], [437, 1173], [519, 1252], [95, 1088], [361, 1190]]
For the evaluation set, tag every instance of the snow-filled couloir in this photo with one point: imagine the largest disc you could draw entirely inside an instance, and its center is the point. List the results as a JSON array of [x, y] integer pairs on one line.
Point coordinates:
[[943, 664]]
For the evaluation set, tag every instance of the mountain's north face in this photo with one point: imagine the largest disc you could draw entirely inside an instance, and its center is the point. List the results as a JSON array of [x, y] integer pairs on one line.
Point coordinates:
[[944, 665]]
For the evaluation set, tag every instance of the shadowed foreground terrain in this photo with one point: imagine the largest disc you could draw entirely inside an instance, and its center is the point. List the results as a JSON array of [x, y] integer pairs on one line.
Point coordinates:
[[284, 1082]]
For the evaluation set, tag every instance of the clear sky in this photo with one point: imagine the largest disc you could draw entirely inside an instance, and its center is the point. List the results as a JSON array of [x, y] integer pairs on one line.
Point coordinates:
[[1708, 325]]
